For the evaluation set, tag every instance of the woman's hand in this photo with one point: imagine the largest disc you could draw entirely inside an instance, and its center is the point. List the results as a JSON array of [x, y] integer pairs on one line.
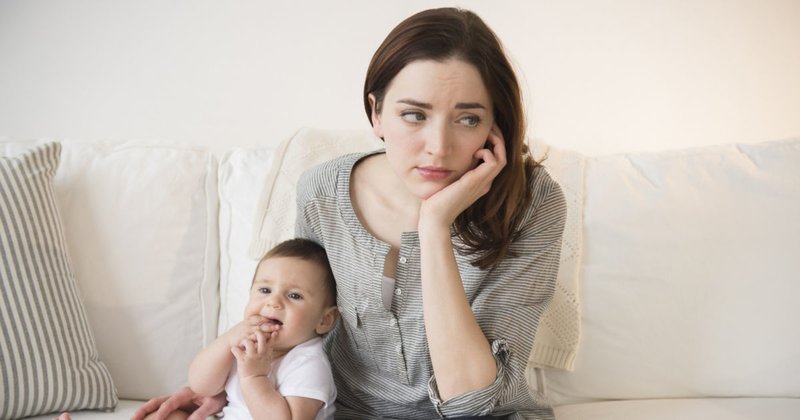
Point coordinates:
[[185, 400], [442, 208]]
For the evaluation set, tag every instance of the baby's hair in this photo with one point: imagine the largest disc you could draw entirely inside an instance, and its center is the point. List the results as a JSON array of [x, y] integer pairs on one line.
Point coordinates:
[[308, 250]]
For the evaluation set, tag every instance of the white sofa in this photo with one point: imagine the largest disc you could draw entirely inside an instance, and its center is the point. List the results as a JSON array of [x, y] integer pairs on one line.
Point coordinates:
[[687, 265]]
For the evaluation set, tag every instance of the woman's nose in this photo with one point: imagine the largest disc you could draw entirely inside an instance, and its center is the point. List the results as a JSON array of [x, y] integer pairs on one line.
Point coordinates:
[[437, 142]]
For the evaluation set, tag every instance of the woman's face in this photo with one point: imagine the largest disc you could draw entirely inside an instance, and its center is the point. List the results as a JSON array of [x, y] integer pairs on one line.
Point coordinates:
[[434, 117]]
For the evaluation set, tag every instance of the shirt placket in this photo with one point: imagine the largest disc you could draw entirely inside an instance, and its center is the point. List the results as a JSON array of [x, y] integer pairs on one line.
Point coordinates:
[[404, 273]]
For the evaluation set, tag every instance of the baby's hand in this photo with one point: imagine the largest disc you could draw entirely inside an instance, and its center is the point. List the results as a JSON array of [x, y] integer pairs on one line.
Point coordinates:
[[254, 357], [247, 329]]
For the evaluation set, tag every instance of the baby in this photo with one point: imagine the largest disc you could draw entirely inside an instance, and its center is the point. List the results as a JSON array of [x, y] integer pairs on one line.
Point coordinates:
[[272, 364]]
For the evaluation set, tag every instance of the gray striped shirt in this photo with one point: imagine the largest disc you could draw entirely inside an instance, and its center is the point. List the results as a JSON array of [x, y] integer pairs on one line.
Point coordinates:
[[380, 357]]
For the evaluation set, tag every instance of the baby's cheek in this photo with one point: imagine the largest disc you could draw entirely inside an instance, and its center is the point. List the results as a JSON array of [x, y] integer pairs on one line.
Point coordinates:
[[252, 309]]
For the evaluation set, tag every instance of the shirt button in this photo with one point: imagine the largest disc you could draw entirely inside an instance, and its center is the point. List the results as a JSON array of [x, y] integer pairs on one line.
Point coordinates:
[[393, 322], [399, 349], [398, 292], [403, 260]]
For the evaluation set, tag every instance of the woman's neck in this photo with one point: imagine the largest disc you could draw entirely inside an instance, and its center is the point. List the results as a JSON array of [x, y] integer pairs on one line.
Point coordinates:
[[381, 201]]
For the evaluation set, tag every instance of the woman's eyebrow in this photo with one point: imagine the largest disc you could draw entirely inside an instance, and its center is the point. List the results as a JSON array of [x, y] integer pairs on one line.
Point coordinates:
[[469, 105], [415, 103], [425, 105]]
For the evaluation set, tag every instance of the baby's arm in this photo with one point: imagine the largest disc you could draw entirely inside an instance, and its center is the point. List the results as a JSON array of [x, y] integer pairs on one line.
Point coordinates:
[[210, 368], [262, 399]]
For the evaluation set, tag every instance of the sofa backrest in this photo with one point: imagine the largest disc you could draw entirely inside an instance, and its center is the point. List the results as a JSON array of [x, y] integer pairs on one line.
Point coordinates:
[[690, 275], [687, 260]]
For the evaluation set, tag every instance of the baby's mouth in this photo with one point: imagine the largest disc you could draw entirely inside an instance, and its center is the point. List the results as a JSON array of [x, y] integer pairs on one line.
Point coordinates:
[[273, 321]]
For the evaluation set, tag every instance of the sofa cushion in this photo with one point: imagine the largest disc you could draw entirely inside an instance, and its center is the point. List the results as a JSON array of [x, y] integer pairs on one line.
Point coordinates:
[[684, 409], [241, 176], [141, 226], [48, 358], [690, 275], [124, 411]]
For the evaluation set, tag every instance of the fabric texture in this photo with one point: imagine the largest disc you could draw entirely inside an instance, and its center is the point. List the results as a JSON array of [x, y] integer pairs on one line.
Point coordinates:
[[303, 372], [48, 358], [558, 335], [380, 358]]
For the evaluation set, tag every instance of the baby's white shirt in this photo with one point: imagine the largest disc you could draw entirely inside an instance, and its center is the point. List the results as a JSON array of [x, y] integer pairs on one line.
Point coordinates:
[[303, 372]]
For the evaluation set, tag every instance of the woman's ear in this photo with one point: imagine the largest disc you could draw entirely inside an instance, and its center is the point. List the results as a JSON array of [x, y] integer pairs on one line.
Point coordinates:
[[375, 116], [328, 320]]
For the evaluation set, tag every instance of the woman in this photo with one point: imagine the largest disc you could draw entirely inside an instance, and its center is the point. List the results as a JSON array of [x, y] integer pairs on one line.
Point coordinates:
[[445, 246]]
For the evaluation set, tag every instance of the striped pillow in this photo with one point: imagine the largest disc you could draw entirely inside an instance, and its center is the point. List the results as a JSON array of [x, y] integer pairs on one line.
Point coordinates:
[[48, 359]]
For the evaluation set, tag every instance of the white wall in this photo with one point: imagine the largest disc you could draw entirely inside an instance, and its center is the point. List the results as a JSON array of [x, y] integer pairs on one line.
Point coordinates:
[[601, 75]]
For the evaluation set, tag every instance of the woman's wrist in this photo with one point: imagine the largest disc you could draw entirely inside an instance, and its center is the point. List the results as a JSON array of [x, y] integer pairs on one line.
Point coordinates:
[[431, 230], [432, 221]]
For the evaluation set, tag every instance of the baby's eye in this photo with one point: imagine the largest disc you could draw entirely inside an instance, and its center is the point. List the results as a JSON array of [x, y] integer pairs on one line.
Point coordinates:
[[295, 296], [412, 116], [264, 290], [470, 121]]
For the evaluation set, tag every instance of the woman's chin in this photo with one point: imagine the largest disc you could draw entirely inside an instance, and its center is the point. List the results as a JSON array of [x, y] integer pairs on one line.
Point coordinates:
[[425, 193], [427, 189]]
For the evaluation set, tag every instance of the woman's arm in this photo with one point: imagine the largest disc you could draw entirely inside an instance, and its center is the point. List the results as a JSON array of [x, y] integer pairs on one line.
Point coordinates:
[[509, 303], [461, 356], [460, 353]]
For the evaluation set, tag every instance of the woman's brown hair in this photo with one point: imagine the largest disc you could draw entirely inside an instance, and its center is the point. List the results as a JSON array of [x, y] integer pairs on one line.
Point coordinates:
[[488, 226]]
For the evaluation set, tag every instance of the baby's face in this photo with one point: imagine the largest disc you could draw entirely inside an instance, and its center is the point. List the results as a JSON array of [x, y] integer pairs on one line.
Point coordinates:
[[290, 292]]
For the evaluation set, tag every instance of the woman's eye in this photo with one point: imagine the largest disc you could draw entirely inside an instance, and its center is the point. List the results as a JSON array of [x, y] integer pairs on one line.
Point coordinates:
[[470, 121], [412, 116], [295, 296]]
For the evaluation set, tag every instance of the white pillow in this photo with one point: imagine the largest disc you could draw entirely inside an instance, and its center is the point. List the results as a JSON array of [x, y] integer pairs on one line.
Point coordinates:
[[241, 177], [141, 227], [690, 275]]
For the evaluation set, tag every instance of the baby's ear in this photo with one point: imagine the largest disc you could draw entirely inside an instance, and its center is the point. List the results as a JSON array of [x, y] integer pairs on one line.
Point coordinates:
[[328, 320]]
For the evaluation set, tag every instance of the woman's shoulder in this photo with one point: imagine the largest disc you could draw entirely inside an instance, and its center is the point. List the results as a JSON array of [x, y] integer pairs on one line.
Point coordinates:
[[546, 194], [543, 186], [322, 179], [546, 212]]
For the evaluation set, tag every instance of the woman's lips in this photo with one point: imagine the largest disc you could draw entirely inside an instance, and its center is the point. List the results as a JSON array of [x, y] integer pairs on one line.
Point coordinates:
[[433, 173]]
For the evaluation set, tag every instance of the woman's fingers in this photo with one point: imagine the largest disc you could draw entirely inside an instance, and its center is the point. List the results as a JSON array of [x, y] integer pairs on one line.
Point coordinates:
[[209, 406], [498, 145], [150, 406]]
